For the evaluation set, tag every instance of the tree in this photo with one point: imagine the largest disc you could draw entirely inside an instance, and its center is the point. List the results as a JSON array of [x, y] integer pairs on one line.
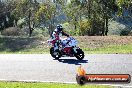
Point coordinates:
[[123, 4], [2, 5], [46, 14], [26, 9], [98, 12], [6, 19], [73, 12]]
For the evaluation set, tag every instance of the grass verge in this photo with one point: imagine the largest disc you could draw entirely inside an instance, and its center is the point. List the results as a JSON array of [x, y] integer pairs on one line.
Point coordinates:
[[46, 85], [89, 44], [112, 49]]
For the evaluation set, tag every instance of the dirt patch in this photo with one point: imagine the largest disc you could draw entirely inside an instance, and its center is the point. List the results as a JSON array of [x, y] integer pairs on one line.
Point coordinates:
[[15, 44], [102, 41]]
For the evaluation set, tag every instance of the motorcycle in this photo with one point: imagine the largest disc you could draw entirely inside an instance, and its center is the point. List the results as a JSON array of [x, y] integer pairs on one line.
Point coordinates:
[[67, 47]]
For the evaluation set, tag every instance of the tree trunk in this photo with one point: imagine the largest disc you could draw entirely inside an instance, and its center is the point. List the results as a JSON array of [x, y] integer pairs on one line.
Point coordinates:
[[103, 28], [75, 24], [29, 24], [106, 29], [50, 29], [88, 7]]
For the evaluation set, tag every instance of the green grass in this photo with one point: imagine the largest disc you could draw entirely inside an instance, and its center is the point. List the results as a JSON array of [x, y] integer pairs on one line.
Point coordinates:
[[112, 49], [90, 45], [46, 85], [27, 51]]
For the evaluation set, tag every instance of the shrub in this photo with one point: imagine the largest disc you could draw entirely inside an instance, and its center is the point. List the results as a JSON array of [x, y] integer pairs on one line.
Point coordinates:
[[116, 28], [125, 32], [37, 32], [11, 31], [69, 29], [73, 32], [40, 32], [85, 27]]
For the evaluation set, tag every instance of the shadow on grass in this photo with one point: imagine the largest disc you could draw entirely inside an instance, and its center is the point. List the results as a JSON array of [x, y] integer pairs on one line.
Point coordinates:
[[15, 44], [73, 61]]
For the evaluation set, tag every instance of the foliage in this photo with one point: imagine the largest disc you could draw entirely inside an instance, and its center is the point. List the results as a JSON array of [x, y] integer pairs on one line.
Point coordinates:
[[88, 17], [22, 8], [94, 11], [6, 19], [46, 14], [70, 30], [40, 32], [85, 27], [73, 12], [11, 31], [73, 32], [26, 9], [125, 32], [123, 4], [116, 28], [46, 11]]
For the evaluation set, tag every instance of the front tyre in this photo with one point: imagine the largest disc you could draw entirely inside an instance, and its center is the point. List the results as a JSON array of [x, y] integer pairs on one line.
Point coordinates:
[[55, 54], [81, 80], [80, 54]]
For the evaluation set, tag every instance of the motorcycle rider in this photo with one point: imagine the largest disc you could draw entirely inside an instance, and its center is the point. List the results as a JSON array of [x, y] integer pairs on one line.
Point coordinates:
[[57, 33]]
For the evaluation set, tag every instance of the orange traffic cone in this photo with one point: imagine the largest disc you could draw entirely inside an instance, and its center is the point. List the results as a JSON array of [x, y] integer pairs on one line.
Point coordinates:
[[81, 71]]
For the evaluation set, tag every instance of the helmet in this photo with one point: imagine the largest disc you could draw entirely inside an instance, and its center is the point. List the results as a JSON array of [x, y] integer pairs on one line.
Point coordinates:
[[59, 28]]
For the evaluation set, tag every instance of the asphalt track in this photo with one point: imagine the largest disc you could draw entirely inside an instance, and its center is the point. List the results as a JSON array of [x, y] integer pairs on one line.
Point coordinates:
[[42, 67]]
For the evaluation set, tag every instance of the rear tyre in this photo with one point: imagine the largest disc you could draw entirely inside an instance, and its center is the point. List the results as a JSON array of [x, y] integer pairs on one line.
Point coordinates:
[[80, 54], [80, 80], [55, 54]]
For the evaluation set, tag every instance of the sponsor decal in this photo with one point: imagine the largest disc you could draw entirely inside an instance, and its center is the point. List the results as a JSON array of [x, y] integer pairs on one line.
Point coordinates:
[[83, 78]]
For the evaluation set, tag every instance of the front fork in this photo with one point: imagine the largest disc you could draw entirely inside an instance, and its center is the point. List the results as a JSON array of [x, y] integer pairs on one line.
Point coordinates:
[[75, 49]]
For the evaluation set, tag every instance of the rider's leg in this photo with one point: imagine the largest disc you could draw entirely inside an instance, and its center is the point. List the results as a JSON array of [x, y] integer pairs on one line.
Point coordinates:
[[56, 46], [75, 49]]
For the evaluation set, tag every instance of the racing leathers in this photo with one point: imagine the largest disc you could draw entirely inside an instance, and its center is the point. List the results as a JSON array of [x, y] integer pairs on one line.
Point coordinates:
[[56, 38]]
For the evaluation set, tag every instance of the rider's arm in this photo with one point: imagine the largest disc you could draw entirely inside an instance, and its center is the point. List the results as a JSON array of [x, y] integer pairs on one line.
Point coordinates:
[[55, 36], [65, 34]]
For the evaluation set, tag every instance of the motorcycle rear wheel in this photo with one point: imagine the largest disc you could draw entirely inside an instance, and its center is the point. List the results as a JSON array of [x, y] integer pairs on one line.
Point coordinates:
[[55, 54]]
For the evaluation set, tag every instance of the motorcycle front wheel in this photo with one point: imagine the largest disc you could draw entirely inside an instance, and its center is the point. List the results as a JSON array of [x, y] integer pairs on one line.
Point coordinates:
[[55, 54], [80, 54]]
